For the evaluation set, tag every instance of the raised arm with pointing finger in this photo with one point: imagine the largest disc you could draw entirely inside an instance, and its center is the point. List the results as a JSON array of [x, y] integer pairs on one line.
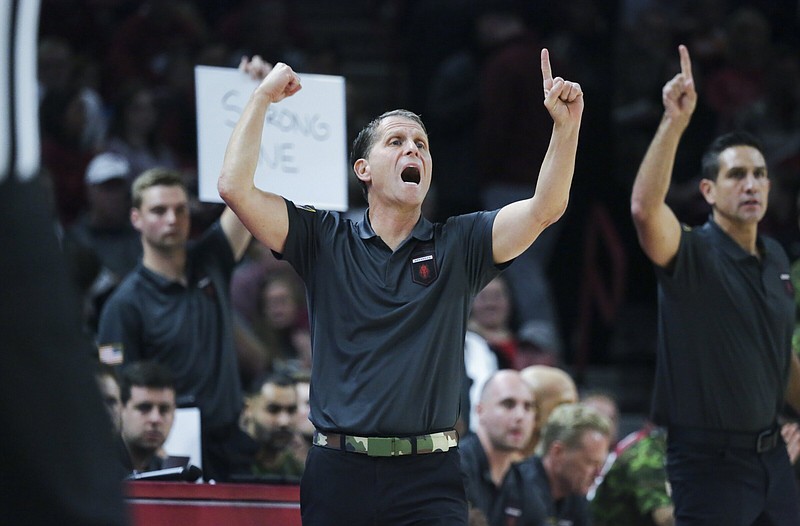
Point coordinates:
[[725, 320], [658, 228], [519, 224]]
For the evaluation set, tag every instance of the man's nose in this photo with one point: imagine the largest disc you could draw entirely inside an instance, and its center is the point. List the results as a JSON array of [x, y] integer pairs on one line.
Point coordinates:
[[750, 181], [154, 415], [285, 419]]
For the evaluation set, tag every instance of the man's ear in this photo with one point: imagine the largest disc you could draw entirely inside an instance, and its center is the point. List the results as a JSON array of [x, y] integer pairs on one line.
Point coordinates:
[[361, 168], [707, 188], [136, 218], [246, 416], [556, 450]]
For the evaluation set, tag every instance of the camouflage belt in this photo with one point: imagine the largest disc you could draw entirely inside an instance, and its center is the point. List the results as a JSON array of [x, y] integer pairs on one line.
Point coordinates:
[[388, 446]]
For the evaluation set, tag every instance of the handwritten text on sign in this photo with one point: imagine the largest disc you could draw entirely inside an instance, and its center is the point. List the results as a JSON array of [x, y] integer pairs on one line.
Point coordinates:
[[303, 148]]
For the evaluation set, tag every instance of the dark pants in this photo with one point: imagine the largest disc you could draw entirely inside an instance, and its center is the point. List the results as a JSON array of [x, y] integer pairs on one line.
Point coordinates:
[[733, 487], [342, 488]]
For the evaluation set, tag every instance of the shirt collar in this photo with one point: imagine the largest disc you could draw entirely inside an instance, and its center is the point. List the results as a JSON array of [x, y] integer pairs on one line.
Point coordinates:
[[157, 279], [423, 230], [728, 245]]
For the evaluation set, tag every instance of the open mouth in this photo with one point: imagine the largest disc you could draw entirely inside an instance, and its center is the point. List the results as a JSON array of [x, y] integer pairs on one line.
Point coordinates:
[[410, 175]]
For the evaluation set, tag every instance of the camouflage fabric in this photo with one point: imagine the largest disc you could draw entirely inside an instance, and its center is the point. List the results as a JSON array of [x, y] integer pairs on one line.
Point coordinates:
[[286, 465], [635, 485], [796, 284], [389, 446]]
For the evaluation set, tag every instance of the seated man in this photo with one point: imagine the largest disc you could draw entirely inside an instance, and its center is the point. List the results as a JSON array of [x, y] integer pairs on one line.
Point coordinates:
[[147, 391], [304, 434], [574, 444], [269, 419], [551, 387], [108, 384], [505, 421]]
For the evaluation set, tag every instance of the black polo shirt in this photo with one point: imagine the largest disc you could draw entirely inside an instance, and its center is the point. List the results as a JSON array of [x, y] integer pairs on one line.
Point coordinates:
[[388, 327], [725, 328], [502, 506], [572, 510], [187, 328]]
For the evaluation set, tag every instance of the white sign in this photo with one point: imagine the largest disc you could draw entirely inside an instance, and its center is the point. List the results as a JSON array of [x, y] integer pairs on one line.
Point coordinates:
[[303, 147]]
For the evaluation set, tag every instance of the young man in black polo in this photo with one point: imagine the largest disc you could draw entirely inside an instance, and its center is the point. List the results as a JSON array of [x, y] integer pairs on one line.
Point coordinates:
[[174, 308], [726, 312], [389, 299]]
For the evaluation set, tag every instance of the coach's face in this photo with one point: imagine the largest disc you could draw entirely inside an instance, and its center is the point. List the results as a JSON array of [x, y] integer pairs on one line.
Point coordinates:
[[739, 193], [398, 168]]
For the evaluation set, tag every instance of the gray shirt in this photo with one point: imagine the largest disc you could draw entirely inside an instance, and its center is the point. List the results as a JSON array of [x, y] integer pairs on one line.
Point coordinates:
[[388, 327]]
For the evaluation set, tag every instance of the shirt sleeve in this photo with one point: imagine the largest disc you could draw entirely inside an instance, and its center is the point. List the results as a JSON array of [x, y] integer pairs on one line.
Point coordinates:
[[119, 331]]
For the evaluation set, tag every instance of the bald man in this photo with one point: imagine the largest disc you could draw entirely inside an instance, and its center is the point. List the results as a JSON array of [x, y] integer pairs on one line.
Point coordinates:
[[550, 387], [505, 421]]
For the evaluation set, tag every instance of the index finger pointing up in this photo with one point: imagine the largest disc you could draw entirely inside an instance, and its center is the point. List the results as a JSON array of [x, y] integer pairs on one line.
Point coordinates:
[[686, 62], [547, 74]]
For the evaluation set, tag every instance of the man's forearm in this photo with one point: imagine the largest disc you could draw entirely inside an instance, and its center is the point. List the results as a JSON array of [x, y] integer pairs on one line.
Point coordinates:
[[655, 173], [555, 176], [242, 153]]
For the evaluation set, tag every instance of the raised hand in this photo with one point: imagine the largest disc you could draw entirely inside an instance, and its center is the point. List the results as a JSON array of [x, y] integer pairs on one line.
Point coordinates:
[[256, 67], [679, 95], [562, 98], [277, 82]]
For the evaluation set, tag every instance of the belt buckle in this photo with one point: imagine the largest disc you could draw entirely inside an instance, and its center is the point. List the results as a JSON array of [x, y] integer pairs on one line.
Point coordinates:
[[380, 446], [389, 446], [766, 440]]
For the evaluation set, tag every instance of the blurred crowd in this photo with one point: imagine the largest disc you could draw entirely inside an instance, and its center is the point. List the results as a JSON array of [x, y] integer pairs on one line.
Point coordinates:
[[116, 91], [116, 76]]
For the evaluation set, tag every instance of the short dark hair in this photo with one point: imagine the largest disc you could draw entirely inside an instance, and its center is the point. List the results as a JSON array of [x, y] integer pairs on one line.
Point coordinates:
[[277, 378], [710, 162], [367, 136], [155, 177], [152, 375]]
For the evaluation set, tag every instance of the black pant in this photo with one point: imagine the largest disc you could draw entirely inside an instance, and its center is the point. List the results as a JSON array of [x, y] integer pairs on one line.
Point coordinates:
[[730, 486], [340, 487]]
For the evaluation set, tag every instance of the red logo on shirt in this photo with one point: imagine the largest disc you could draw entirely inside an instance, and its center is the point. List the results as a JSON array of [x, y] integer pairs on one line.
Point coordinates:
[[423, 264]]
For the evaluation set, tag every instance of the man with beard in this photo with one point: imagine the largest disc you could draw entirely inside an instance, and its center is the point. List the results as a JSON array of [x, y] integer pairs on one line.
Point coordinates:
[[269, 419], [505, 422]]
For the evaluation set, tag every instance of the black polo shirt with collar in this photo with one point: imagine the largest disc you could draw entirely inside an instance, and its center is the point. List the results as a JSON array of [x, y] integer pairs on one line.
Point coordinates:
[[187, 328], [507, 505], [725, 328], [388, 327]]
